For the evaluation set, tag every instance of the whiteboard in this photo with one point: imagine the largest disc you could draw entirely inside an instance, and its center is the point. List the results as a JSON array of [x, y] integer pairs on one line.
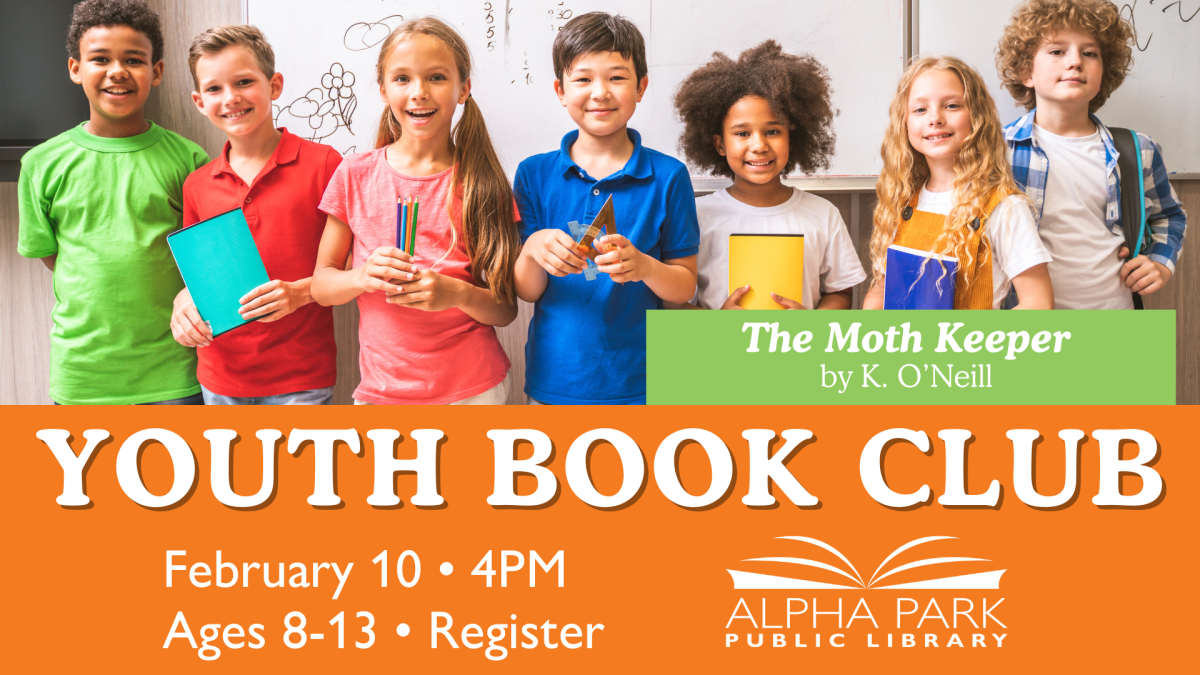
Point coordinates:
[[326, 51], [1160, 96]]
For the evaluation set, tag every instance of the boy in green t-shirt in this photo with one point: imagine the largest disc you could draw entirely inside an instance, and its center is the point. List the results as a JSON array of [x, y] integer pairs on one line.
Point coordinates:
[[97, 203]]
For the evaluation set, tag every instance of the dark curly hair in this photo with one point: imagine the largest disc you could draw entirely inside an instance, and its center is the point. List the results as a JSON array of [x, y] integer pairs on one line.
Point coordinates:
[[133, 13], [796, 87], [1039, 20]]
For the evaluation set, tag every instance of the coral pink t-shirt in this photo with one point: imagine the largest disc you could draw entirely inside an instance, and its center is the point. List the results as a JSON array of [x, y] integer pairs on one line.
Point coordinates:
[[410, 356]]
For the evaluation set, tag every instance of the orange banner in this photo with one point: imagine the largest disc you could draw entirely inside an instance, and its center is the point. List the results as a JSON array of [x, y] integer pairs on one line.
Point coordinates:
[[714, 549]]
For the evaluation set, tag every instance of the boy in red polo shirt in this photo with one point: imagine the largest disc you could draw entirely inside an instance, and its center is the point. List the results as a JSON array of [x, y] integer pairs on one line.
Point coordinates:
[[287, 356]]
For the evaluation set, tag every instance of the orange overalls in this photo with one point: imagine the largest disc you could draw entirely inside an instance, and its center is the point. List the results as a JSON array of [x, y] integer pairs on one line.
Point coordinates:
[[920, 230]]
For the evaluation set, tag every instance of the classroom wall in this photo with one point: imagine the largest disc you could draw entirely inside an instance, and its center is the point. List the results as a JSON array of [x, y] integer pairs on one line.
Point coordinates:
[[27, 294], [26, 298]]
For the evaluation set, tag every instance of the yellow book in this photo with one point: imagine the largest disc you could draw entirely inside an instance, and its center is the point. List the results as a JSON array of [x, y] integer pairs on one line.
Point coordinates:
[[769, 263]]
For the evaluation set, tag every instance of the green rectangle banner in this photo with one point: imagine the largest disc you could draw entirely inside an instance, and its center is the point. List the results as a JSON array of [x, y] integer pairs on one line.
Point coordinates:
[[910, 358]]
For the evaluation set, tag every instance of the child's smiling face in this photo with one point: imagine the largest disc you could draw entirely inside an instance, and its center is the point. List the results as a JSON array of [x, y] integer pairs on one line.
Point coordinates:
[[754, 140], [1067, 69], [422, 87], [600, 91], [116, 71], [235, 94], [938, 119]]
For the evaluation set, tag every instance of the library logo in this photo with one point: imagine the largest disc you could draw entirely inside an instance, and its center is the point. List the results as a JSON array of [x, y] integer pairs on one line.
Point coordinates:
[[758, 580], [855, 615]]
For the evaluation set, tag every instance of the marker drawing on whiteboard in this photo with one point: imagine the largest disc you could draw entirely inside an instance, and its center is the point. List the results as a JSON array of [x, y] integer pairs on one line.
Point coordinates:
[[324, 110], [559, 15], [507, 15], [1133, 22], [490, 20], [525, 69], [1178, 4], [1132, 7], [364, 35]]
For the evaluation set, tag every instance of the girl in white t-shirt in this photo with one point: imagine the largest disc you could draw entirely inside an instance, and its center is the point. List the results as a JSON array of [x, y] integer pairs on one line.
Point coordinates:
[[754, 120], [946, 188]]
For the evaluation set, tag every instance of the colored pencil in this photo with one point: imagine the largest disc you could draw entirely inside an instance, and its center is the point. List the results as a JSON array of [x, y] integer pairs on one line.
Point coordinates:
[[412, 236], [408, 221], [400, 221], [403, 228]]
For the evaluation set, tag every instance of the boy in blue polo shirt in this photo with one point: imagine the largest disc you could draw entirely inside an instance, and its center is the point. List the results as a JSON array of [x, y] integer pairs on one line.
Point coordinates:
[[587, 339]]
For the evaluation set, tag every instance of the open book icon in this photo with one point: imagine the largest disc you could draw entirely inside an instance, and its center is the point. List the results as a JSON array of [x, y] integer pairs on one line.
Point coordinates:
[[979, 581]]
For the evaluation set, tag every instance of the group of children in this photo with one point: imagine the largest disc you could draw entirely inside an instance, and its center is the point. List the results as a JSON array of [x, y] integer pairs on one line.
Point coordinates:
[[97, 202]]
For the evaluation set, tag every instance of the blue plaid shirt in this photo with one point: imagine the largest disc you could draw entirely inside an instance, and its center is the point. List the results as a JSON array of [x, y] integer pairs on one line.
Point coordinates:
[[1164, 215]]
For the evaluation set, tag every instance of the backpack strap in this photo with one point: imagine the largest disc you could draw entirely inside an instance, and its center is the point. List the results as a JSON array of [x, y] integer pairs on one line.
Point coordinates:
[[1133, 194]]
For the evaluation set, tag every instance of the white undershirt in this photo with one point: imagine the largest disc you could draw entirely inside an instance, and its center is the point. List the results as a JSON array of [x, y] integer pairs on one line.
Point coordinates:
[[1010, 231], [1084, 269], [830, 261]]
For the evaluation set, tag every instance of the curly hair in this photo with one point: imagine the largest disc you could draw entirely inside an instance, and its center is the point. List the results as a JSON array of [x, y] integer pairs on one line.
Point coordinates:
[[980, 170], [133, 13], [1039, 20], [796, 87]]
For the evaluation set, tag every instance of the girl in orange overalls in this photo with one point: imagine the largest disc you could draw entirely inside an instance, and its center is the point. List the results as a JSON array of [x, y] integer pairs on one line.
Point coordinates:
[[946, 188]]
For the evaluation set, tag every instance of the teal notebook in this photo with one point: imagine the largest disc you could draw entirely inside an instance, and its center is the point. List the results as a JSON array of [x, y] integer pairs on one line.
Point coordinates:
[[219, 263]]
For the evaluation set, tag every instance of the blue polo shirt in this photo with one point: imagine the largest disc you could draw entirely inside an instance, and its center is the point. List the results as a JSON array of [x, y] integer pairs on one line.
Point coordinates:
[[587, 339]]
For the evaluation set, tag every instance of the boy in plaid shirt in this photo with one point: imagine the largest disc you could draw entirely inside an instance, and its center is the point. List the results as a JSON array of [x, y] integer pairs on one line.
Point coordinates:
[[1062, 59]]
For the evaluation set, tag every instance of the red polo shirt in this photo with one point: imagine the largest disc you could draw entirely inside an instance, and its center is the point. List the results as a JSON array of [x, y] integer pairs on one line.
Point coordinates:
[[297, 352]]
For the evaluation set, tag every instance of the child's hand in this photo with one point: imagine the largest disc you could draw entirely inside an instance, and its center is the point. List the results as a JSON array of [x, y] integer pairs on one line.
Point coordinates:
[[431, 292], [735, 297], [386, 264], [1142, 275], [622, 262], [554, 251], [274, 300], [786, 303], [187, 327]]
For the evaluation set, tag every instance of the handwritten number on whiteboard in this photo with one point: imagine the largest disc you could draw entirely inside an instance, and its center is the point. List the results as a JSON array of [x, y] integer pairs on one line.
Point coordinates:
[[489, 19], [559, 15]]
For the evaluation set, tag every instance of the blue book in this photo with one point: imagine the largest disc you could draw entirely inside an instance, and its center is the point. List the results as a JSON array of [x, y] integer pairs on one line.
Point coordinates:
[[220, 263], [932, 290]]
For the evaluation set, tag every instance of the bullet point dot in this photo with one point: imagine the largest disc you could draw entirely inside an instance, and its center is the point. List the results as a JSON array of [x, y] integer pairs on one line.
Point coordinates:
[[402, 630], [446, 569]]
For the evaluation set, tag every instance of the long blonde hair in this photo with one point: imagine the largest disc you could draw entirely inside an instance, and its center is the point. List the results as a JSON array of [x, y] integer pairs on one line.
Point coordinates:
[[980, 169], [487, 198]]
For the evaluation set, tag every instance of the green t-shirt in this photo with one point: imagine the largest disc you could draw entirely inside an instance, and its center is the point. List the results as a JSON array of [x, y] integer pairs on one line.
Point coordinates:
[[105, 206]]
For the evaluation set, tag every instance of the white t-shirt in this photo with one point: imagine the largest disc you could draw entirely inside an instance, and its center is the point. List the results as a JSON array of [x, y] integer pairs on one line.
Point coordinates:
[[1011, 232], [830, 261], [1084, 266]]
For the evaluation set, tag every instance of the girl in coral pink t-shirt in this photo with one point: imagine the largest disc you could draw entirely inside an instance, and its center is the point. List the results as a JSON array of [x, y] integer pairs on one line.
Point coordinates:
[[426, 327]]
